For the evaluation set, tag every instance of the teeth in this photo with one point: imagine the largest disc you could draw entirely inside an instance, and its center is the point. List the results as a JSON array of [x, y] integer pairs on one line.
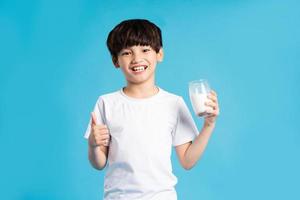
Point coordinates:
[[138, 69]]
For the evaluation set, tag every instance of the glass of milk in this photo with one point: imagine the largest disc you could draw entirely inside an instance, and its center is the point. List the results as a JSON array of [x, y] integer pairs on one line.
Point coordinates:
[[198, 91]]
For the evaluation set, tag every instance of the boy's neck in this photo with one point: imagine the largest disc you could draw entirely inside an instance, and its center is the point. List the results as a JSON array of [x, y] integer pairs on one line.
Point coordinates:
[[140, 91]]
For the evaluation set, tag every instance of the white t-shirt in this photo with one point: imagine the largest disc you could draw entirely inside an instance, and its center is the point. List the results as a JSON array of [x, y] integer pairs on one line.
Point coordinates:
[[142, 134]]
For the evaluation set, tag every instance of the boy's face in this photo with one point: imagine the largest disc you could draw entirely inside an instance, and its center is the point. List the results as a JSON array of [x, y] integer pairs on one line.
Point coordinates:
[[138, 63]]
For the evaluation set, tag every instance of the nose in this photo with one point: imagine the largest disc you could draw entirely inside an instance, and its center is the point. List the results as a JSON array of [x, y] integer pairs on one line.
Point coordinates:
[[136, 58]]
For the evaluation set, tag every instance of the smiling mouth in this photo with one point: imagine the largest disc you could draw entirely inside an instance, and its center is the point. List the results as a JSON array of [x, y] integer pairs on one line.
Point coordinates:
[[139, 68]]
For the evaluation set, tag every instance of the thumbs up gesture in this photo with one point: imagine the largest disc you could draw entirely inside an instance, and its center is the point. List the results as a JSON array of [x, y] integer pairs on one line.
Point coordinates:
[[99, 133]]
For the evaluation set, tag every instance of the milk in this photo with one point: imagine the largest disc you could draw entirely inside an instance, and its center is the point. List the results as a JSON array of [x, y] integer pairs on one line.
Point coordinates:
[[198, 102], [198, 90]]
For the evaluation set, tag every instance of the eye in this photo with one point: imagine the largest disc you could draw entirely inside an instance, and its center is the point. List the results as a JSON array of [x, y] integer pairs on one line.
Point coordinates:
[[146, 50], [125, 53]]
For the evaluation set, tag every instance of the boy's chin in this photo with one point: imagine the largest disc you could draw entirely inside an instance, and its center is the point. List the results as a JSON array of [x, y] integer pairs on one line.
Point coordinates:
[[138, 81]]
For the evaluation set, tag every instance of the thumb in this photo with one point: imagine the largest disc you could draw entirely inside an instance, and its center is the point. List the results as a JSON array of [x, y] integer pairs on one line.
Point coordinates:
[[93, 119]]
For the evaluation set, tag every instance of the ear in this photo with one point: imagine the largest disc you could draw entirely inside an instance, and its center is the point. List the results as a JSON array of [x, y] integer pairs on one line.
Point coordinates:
[[115, 62], [160, 55]]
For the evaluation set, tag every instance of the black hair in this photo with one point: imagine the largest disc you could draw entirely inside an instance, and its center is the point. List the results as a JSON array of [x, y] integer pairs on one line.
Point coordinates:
[[133, 32]]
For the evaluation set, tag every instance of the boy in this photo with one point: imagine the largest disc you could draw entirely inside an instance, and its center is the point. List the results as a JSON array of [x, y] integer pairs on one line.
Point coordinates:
[[135, 128]]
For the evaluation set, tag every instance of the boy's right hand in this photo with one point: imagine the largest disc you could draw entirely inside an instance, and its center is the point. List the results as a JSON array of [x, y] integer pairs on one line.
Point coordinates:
[[99, 133]]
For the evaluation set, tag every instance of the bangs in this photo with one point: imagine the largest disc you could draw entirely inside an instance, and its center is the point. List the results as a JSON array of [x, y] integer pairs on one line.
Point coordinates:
[[138, 35]]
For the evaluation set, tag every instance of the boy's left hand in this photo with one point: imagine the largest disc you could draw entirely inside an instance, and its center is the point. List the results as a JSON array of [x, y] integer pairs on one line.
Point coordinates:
[[213, 113]]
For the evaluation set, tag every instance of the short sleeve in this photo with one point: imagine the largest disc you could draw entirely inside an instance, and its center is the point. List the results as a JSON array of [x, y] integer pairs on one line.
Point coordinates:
[[100, 114], [185, 129]]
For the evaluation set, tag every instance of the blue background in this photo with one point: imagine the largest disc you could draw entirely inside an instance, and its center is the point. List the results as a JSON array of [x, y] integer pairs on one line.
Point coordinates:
[[54, 64]]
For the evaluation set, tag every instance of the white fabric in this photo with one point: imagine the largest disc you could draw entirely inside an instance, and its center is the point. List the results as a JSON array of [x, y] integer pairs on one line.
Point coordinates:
[[142, 134]]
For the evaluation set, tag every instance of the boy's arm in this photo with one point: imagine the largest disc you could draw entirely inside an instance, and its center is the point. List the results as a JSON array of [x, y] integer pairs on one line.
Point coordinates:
[[98, 156], [189, 153]]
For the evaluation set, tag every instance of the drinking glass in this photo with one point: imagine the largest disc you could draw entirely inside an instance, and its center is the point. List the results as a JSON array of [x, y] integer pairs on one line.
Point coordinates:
[[198, 91]]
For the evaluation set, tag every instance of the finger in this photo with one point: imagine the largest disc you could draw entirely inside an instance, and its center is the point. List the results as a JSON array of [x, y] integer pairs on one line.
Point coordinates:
[[93, 119], [101, 127], [104, 137], [105, 142], [100, 130], [211, 104], [211, 113], [212, 97], [213, 93], [214, 112]]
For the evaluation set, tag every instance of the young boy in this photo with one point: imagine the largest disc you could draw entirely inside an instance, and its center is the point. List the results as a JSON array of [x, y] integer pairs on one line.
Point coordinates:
[[135, 128]]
